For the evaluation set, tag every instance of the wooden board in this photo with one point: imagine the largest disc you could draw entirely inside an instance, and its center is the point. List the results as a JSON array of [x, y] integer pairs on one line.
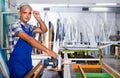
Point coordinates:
[[51, 36], [110, 70]]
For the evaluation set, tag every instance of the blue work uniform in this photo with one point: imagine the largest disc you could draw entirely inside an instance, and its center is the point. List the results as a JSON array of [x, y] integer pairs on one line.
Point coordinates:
[[20, 62]]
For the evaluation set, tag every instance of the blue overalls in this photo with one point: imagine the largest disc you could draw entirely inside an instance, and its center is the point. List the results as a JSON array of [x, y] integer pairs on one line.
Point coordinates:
[[20, 62]]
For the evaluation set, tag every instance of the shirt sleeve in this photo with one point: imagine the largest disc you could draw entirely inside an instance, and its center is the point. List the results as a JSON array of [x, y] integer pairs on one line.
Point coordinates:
[[16, 28]]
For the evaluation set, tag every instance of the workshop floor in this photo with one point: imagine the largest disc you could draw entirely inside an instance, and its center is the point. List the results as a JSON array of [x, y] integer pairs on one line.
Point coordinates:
[[113, 62]]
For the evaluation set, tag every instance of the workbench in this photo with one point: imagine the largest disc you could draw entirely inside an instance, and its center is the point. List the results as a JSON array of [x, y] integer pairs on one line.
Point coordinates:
[[68, 68]]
